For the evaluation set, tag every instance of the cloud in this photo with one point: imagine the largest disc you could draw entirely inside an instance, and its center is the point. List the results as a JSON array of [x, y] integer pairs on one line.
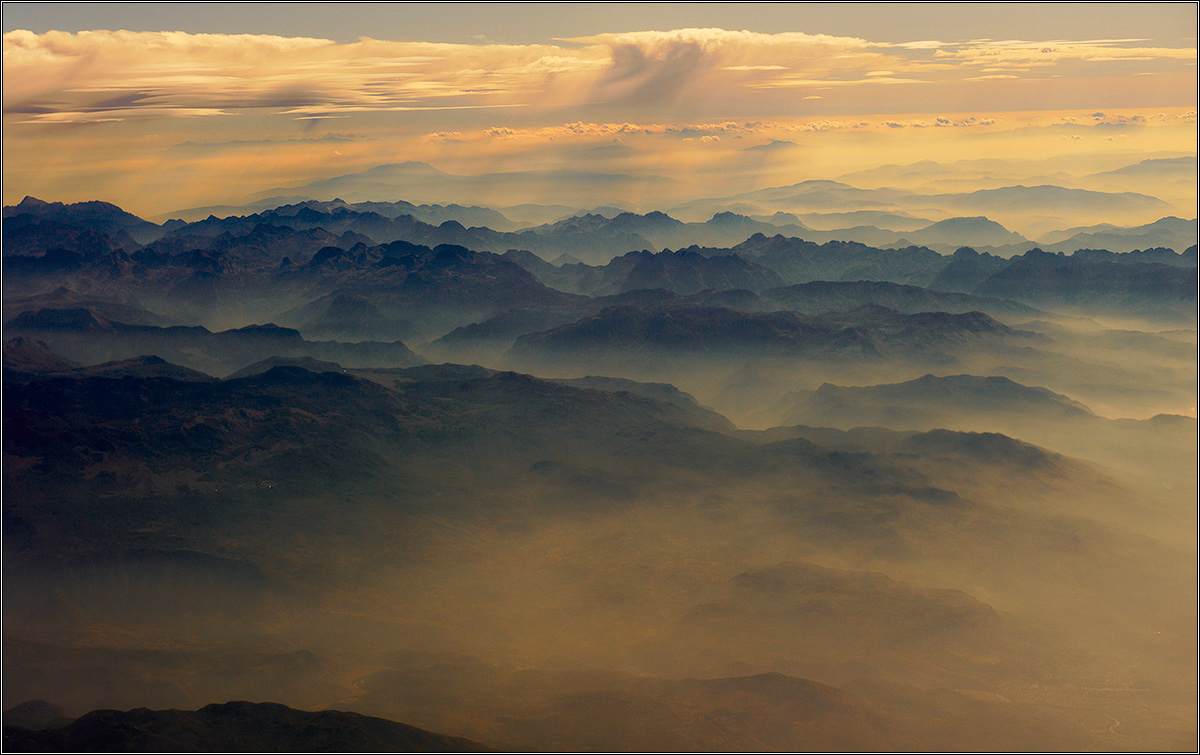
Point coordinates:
[[167, 74], [666, 66], [1009, 53], [105, 76]]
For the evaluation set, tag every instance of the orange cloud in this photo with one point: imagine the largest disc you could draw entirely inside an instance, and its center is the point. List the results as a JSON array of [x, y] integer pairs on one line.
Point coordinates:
[[105, 76]]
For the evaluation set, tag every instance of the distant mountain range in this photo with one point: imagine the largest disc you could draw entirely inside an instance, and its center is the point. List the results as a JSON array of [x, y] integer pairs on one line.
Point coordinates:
[[408, 179], [1013, 201], [349, 288], [98, 228]]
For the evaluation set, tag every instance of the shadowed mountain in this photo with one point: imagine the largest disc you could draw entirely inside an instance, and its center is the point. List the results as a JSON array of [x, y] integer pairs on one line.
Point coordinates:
[[870, 332], [800, 261], [703, 417], [839, 296], [928, 402], [683, 272], [688, 273], [1169, 233], [956, 232], [245, 429], [345, 317], [1137, 284], [500, 330], [700, 329], [125, 310], [99, 217], [26, 360], [233, 727], [433, 214], [86, 337], [257, 242], [29, 359], [445, 282], [593, 236], [36, 715], [816, 298], [266, 365], [143, 367], [239, 255], [1159, 447], [1078, 283], [966, 269]]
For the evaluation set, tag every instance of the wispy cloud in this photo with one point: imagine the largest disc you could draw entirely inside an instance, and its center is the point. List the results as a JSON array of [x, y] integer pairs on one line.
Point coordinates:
[[1028, 54], [73, 76]]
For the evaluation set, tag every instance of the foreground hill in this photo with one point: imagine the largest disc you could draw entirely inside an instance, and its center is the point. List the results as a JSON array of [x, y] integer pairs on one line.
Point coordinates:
[[233, 727]]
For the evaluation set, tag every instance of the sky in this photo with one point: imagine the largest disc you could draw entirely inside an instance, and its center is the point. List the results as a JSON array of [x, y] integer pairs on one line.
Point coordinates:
[[159, 107]]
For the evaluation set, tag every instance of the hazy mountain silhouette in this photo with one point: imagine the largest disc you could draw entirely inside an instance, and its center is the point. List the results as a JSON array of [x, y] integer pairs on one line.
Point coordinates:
[[345, 317], [683, 272], [27, 358], [89, 338], [976, 231], [926, 403], [1156, 168], [425, 183], [100, 217], [703, 417], [234, 726], [433, 214], [1055, 281], [885, 221], [1054, 199], [307, 363], [1171, 233], [36, 715], [839, 296], [125, 310], [869, 332]]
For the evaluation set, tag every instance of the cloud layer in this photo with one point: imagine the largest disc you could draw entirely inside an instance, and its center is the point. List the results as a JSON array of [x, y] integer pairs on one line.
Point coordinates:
[[95, 76], [161, 120]]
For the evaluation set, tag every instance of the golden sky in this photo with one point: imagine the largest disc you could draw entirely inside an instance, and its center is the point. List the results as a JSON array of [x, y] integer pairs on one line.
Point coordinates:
[[161, 120]]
